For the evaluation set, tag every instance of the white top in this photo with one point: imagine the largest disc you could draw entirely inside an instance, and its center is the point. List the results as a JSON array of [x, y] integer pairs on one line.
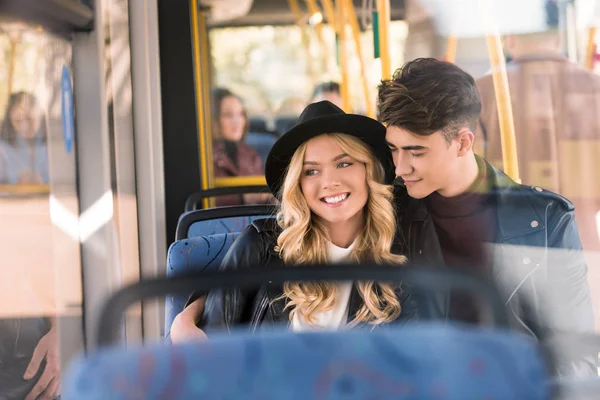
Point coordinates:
[[337, 317]]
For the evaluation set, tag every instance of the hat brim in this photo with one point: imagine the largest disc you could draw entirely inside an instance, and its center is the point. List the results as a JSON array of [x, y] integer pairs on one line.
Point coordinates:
[[366, 129]]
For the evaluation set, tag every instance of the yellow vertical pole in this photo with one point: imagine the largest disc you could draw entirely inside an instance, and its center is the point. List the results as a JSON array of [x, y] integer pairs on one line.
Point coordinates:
[[295, 7], [589, 52], [451, 45], [299, 17], [330, 13], [314, 9], [344, 86], [384, 16], [206, 85], [201, 65], [11, 64], [502, 93], [351, 14]]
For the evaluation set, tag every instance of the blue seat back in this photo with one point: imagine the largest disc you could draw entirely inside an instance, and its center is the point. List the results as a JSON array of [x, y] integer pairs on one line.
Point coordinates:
[[413, 362], [261, 142], [257, 124], [284, 124], [221, 225], [196, 253]]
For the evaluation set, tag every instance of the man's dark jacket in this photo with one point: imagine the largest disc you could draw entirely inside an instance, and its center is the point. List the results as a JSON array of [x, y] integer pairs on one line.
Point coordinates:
[[537, 258]]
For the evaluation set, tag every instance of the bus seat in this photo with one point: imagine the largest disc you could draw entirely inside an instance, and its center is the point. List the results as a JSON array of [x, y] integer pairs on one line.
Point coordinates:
[[257, 124], [220, 220], [261, 142], [421, 361], [284, 124], [202, 252], [230, 225]]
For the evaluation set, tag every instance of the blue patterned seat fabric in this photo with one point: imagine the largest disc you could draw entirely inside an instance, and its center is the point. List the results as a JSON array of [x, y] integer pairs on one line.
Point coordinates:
[[428, 361], [221, 225], [200, 253]]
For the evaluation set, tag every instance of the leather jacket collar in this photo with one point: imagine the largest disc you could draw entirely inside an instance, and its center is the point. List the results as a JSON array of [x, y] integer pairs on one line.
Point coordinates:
[[517, 214]]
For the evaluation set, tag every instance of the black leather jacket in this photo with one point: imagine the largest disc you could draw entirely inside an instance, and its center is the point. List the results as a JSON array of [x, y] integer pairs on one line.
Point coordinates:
[[537, 256], [260, 309]]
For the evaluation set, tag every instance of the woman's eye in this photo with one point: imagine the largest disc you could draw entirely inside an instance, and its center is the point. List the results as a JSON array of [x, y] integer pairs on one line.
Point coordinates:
[[344, 164], [310, 172], [417, 154]]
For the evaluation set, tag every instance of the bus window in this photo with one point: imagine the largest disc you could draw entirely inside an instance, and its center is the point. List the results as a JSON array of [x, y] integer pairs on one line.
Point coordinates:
[[40, 278]]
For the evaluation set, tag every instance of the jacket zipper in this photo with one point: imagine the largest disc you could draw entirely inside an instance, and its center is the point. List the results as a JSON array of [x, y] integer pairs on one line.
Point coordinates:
[[410, 245], [227, 311], [257, 316]]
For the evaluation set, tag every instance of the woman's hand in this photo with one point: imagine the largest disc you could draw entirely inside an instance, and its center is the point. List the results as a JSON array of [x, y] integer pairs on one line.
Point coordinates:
[[185, 330], [184, 326]]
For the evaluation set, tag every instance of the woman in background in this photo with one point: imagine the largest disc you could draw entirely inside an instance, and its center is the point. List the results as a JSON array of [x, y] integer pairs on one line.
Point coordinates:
[[231, 156], [23, 147]]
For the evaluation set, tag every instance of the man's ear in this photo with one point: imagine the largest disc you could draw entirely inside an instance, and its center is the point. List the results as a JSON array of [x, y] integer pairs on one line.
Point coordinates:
[[465, 139]]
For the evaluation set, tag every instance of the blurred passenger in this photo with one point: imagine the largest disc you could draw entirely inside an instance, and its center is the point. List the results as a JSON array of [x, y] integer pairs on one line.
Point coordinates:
[[460, 211], [29, 359], [333, 173], [231, 156], [329, 91], [23, 148], [557, 125]]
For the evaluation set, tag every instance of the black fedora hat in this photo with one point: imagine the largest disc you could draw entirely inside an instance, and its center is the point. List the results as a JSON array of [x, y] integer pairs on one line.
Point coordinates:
[[317, 119]]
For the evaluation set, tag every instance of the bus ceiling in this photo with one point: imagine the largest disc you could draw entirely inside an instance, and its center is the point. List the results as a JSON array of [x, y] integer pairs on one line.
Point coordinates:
[[61, 17], [237, 13]]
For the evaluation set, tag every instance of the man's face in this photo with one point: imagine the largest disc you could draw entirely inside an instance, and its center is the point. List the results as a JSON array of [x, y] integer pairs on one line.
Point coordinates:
[[426, 164]]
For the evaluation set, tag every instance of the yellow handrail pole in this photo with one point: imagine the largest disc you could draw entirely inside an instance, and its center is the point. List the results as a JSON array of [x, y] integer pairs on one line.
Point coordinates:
[[384, 16], [314, 9], [206, 85], [502, 93], [505, 114], [295, 7], [351, 14], [11, 64], [198, 20], [300, 22], [344, 87], [589, 52], [451, 45], [330, 14]]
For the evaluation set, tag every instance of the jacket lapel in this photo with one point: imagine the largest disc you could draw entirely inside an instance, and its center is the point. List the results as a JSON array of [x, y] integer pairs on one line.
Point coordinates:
[[517, 219], [514, 259], [516, 214]]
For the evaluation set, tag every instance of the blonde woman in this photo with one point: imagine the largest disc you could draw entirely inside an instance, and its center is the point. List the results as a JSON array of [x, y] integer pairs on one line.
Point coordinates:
[[333, 173]]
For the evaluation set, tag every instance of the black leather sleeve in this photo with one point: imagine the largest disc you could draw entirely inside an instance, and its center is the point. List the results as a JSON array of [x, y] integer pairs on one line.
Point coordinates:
[[226, 308], [570, 305]]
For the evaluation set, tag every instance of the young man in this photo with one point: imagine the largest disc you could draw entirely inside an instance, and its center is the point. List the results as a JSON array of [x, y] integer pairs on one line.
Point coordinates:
[[458, 210]]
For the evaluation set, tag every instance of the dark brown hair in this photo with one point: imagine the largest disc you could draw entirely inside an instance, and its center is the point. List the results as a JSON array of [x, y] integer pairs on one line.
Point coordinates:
[[217, 95], [8, 132], [426, 96]]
